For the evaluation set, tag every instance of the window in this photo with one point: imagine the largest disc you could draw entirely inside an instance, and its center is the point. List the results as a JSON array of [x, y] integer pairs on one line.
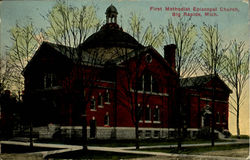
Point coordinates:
[[106, 97], [156, 113], [106, 119], [140, 133], [140, 113], [156, 134], [224, 118], [217, 117], [100, 100], [155, 86], [147, 82], [148, 134], [92, 103], [147, 113], [49, 80], [138, 84]]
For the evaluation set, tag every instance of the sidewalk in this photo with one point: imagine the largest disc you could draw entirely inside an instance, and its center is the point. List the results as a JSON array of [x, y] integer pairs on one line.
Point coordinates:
[[66, 148]]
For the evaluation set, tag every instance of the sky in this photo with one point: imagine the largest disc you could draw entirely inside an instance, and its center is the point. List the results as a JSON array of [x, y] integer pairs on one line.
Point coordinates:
[[232, 24]]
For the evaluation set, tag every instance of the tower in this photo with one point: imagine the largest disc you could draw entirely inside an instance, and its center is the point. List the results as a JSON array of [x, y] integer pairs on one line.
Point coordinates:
[[111, 14]]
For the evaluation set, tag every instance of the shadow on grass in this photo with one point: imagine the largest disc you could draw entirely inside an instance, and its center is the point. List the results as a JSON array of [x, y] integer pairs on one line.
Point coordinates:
[[127, 143], [93, 155], [196, 150], [7, 148]]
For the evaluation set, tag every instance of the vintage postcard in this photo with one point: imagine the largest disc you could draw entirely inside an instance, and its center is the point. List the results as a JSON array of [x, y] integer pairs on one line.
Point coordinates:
[[88, 79]]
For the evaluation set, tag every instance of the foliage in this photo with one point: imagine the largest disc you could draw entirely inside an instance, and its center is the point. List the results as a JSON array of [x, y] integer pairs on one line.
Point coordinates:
[[184, 35], [24, 45], [70, 25], [236, 73], [146, 36], [5, 73], [212, 50]]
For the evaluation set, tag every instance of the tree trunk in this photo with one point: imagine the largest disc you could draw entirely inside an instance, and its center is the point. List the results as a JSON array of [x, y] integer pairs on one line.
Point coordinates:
[[213, 104], [137, 135], [84, 134], [31, 135], [238, 122]]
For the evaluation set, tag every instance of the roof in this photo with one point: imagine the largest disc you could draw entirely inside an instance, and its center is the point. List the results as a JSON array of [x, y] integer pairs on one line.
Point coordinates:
[[149, 50], [66, 51], [111, 9], [200, 81], [110, 35], [195, 81]]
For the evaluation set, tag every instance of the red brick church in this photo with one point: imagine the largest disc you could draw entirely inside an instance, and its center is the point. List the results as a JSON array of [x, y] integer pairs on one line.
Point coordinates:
[[114, 71]]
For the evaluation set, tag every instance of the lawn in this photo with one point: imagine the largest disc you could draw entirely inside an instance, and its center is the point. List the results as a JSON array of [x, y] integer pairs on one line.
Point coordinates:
[[6, 148], [197, 150], [130, 143], [93, 155]]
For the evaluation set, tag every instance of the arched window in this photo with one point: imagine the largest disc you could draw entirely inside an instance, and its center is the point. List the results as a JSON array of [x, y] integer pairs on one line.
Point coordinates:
[[155, 86], [92, 103], [147, 82], [106, 119], [147, 113], [106, 97], [156, 113], [100, 100]]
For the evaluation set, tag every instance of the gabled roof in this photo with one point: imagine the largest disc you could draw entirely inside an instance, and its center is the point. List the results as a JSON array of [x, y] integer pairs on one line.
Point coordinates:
[[68, 52], [148, 49], [201, 81]]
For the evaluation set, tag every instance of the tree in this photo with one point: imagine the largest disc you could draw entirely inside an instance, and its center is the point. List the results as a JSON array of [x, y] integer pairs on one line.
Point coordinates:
[[212, 60], [134, 69], [236, 74], [148, 36], [184, 35], [5, 73], [69, 27], [24, 45]]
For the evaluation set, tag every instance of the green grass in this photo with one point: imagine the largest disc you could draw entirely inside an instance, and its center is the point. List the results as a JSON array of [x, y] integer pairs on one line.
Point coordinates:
[[241, 136], [130, 143], [9, 148], [148, 142], [196, 150], [94, 155]]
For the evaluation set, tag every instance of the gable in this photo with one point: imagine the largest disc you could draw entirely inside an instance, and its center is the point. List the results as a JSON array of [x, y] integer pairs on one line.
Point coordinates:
[[205, 81], [148, 57], [46, 58]]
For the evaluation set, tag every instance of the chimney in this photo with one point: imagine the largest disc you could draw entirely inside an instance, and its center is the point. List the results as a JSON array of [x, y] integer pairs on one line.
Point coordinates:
[[169, 54]]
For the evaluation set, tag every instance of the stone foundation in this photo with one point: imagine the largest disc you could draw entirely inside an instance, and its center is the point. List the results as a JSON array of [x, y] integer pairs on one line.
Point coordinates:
[[123, 133]]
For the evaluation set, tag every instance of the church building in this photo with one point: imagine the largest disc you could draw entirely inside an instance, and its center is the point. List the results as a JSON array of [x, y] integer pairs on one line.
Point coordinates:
[[112, 81]]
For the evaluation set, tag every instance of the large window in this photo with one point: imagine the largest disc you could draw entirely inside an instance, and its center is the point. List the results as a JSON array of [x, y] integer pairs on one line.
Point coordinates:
[[147, 83], [49, 80]]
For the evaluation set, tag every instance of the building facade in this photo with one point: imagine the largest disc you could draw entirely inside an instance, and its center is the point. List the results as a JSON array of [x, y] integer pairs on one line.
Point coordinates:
[[112, 82]]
